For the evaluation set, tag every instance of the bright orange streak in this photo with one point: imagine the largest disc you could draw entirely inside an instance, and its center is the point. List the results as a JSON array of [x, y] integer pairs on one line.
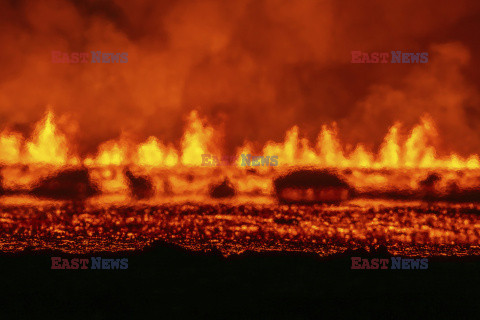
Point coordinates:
[[195, 141], [49, 146], [153, 153]]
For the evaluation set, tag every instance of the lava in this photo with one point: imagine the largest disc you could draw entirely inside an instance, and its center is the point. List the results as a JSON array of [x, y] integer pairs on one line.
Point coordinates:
[[405, 228], [49, 146]]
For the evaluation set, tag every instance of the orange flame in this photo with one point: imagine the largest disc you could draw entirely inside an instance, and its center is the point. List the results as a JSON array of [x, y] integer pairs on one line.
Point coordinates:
[[110, 153], [415, 152], [195, 140], [153, 153], [10, 148], [49, 146]]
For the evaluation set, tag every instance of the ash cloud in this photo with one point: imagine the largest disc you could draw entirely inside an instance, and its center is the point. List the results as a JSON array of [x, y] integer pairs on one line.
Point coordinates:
[[255, 67]]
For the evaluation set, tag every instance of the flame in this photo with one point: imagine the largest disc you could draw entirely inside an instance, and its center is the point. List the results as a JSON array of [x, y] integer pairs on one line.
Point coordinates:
[[48, 145], [110, 153], [10, 148], [390, 149], [330, 150], [153, 153], [195, 140], [413, 150]]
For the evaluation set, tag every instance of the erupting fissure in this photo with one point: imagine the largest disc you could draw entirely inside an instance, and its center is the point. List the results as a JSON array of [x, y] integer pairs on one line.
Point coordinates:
[[48, 146]]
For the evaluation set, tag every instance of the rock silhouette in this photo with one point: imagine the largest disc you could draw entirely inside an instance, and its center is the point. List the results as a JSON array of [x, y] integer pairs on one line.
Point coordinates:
[[2, 191], [223, 190], [141, 187], [70, 184], [311, 186]]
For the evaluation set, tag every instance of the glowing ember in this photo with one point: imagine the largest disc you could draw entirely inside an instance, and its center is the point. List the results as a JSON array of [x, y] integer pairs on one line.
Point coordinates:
[[406, 229]]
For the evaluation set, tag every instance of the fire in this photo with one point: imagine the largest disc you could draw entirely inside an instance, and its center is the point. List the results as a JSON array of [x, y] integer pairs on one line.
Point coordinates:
[[330, 150], [111, 153], [195, 140], [412, 150], [390, 150], [10, 148], [153, 153], [48, 146]]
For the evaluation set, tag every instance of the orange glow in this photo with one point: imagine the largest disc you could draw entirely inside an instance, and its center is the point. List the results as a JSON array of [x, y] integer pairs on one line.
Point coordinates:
[[154, 153], [10, 148], [412, 150], [390, 150], [195, 141], [48, 145], [110, 153]]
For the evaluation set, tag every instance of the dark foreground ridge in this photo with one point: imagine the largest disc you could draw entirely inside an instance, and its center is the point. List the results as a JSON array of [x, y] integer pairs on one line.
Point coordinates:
[[168, 282]]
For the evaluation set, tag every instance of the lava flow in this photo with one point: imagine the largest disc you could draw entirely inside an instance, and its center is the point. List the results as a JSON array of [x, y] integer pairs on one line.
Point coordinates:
[[403, 164], [133, 194], [49, 147]]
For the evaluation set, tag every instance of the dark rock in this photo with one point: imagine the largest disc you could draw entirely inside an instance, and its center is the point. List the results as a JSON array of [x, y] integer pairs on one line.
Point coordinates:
[[286, 221], [2, 190], [453, 193], [70, 184], [457, 194], [311, 186], [223, 190], [429, 186], [453, 188], [380, 251], [465, 195], [431, 180], [141, 187]]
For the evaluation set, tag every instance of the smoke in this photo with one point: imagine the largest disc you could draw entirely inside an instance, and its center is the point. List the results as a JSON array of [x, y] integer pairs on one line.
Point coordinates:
[[253, 67], [438, 89]]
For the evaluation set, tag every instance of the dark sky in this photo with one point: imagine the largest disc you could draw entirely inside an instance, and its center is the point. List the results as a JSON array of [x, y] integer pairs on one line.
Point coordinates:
[[253, 67]]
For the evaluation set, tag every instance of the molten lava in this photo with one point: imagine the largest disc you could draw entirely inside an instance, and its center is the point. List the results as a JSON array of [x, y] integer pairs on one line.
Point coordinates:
[[48, 146]]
